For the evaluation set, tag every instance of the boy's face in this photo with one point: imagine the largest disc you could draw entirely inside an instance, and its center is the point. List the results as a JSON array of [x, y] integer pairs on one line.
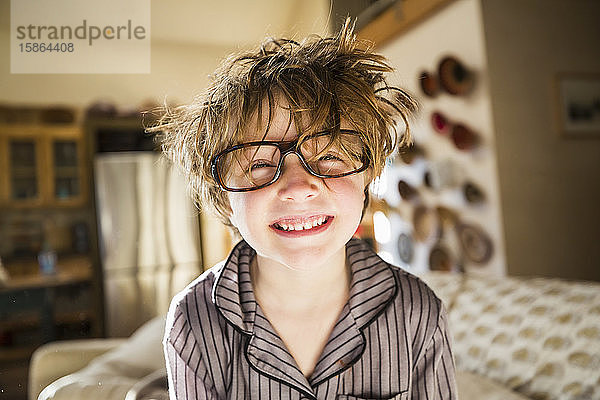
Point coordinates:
[[324, 214]]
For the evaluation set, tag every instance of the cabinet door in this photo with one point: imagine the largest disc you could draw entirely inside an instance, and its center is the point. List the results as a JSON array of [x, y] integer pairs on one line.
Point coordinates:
[[24, 183], [67, 186], [24, 179], [3, 172], [66, 169]]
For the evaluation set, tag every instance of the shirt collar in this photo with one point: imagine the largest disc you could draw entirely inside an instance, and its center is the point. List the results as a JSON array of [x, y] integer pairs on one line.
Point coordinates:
[[232, 291], [373, 286]]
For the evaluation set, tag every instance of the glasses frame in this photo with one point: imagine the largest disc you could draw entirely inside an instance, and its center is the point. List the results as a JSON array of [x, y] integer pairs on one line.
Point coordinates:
[[285, 148]]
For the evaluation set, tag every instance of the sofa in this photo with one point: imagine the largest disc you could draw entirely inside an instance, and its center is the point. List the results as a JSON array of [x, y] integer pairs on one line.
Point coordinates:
[[539, 337], [95, 369], [514, 339]]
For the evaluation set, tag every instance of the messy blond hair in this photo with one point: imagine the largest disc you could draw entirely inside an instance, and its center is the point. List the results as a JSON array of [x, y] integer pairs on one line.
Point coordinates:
[[323, 81]]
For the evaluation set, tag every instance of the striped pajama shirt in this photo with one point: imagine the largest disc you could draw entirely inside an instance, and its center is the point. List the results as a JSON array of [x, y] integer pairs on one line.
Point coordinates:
[[390, 341]]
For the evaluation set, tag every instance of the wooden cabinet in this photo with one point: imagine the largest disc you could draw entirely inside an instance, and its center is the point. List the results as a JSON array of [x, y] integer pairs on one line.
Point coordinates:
[[42, 166], [43, 198], [36, 308], [44, 204]]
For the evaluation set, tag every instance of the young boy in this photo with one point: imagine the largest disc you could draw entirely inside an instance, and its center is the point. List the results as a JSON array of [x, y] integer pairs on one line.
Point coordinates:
[[283, 145]]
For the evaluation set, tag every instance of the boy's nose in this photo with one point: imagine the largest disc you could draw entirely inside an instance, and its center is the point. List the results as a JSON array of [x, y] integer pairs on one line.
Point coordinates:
[[295, 182]]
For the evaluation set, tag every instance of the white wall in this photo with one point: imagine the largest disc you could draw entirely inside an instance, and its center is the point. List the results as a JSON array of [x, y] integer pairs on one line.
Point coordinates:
[[455, 30], [550, 186], [544, 188]]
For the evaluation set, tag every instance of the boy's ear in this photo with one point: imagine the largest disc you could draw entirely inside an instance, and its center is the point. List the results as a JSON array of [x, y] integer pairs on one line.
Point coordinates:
[[369, 176], [232, 221], [228, 213]]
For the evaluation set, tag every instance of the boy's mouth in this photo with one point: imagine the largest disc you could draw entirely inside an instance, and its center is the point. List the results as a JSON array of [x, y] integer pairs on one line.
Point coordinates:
[[301, 224]]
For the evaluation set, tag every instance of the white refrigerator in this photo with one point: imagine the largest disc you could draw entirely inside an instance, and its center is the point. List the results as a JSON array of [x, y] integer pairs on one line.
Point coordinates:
[[149, 237]]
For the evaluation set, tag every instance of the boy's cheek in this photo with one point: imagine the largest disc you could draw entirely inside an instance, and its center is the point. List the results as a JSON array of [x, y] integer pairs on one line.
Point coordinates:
[[350, 189], [243, 207]]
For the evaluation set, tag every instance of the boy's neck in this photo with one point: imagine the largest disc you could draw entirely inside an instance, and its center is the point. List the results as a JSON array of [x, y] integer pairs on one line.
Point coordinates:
[[301, 290]]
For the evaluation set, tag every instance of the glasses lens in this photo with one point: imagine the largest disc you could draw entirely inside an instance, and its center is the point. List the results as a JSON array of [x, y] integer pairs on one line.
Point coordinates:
[[331, 158], [249, 166]]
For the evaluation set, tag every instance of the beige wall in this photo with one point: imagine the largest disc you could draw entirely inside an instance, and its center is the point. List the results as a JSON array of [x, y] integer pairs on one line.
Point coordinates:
[[179, 70], [549, 185], [189, 38]]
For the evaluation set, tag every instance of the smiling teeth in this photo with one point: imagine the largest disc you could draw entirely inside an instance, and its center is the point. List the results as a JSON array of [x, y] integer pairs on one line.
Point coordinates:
[[302, 226]]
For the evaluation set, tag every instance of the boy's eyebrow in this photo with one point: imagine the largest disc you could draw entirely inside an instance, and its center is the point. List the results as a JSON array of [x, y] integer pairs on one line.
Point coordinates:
[[263, 137]]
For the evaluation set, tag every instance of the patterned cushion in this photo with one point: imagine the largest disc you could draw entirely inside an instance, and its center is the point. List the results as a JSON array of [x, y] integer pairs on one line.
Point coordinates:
[[540, 337]]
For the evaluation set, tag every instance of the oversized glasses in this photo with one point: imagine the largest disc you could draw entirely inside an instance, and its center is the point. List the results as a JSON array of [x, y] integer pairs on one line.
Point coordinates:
[[254, 165]]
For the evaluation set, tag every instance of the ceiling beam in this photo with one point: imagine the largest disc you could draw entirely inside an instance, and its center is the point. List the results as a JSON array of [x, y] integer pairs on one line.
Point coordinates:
[[399, 18]]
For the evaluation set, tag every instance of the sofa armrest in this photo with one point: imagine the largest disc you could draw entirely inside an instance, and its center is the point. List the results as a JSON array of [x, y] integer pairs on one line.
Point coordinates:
[[152, 387], [54, 360]]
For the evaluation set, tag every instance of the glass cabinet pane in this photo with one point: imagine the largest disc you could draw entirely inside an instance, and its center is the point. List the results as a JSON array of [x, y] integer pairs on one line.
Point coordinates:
[[23, 170], [65, 154], [66, 187], [66, 169]]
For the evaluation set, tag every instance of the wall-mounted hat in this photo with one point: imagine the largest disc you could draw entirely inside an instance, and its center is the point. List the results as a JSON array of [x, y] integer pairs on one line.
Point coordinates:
[[407, 191], [440, 258], [426, 223], [463, 137], [447, 216], [405, 248], [429, 84], [454, 77], [440, 123], [442, 174], [473, 193], [477, 245], [410, 153]]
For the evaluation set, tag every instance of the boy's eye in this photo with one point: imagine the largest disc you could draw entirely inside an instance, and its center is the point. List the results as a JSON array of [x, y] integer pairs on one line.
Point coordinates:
[[258, 164], [330, 157]]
